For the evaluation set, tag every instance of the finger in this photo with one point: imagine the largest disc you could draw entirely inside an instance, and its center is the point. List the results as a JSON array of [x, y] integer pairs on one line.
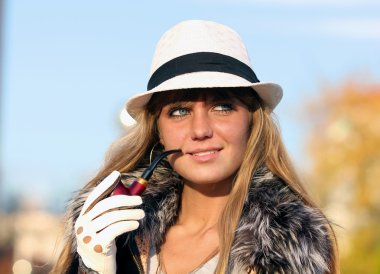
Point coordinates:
[[113, 203], [112, 217], [104, 186], [107, 235]]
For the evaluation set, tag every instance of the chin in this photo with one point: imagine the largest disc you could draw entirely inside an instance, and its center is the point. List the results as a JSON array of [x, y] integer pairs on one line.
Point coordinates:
[[210, 173], [206, 179]]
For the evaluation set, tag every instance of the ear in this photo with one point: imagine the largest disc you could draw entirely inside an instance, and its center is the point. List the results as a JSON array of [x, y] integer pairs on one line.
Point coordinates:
[[162, 142]]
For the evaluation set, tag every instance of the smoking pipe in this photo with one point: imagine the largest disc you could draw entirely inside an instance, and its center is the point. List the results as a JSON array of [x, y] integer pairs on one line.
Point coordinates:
[[140, 184]]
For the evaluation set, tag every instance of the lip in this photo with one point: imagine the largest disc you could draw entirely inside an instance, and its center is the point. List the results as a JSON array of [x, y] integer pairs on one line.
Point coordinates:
[[204, 154]]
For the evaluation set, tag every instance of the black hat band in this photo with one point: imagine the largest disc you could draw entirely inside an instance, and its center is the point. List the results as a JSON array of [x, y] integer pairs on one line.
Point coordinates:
[[201, 61]]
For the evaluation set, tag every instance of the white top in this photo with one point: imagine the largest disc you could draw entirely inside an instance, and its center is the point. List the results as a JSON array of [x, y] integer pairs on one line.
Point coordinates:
[[207, 268]]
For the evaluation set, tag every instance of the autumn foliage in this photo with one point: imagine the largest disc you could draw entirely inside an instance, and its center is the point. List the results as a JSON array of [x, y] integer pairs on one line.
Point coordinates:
[[344, 145]]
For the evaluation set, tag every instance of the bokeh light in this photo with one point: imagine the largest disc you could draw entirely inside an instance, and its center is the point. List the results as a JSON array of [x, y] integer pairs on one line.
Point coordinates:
[[22, 267]]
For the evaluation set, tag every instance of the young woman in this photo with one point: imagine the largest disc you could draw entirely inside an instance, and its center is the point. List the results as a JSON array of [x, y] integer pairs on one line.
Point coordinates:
[[228, 202]]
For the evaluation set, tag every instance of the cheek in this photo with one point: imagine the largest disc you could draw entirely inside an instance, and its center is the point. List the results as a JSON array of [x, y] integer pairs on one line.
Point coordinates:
[[239, 136], [170, 136], [238, 130], [239, 140], [247, 128], [170, 139]]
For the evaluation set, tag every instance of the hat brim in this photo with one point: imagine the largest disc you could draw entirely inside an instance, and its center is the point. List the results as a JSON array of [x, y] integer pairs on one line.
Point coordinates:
[[270, 93]]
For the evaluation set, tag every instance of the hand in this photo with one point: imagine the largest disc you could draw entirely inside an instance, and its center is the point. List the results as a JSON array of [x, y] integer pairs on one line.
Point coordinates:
[[100, 222]]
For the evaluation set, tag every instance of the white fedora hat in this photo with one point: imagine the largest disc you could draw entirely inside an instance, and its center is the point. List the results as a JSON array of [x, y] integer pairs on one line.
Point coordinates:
[[202, 54]]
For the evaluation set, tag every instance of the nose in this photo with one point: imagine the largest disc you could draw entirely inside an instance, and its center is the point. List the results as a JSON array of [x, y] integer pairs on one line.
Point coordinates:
[[201, 127]]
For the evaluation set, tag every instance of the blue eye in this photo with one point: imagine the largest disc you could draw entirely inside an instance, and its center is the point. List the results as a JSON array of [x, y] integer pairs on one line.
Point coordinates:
[[178, 112], [224, 107]]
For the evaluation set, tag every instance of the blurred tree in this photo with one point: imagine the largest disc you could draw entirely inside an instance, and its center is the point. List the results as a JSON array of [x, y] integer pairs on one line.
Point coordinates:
[[345, 151]]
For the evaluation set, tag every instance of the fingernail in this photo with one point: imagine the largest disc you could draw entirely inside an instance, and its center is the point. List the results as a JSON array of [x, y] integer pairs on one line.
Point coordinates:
[[98, 249], [87, 239], [79, 230]]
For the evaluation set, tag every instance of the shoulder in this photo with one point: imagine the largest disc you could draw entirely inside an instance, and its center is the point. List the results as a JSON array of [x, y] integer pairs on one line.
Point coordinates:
[[278, 232]]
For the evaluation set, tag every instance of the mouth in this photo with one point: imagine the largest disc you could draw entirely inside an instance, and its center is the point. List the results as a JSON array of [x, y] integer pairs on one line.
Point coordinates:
[[204, 153]]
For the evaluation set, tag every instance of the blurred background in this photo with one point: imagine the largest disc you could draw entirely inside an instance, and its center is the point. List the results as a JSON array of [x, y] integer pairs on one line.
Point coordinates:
[[67, 68]]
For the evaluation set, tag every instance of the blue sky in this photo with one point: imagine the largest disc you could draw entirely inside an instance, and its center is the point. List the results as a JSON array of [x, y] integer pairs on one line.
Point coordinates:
[[69, 66]]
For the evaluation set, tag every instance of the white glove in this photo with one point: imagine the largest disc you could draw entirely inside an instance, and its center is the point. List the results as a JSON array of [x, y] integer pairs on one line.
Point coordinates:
[[97, 227]]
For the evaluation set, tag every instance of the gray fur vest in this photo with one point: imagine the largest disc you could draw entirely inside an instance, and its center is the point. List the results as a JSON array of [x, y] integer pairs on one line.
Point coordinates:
[[277, 232]]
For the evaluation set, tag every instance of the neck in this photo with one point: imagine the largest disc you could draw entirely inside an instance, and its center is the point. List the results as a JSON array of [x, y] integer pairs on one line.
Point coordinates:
[[201, 205]]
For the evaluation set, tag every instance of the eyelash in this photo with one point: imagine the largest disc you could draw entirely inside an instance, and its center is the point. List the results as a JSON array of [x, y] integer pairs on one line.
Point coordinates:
[[225, 109], [174, 109]]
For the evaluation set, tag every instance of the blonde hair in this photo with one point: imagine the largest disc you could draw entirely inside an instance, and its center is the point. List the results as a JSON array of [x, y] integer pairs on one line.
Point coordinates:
[[123, 155], [264, 147]]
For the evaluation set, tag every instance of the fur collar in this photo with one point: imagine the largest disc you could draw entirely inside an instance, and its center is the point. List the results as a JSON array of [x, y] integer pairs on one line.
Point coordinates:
[[277, 232]]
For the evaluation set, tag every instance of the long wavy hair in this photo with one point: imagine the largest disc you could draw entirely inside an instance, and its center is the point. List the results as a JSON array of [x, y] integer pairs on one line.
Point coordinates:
[[264, 147]]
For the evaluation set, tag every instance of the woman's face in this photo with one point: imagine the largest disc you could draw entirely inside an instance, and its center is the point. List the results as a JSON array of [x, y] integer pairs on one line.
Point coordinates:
[[212, 135]]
